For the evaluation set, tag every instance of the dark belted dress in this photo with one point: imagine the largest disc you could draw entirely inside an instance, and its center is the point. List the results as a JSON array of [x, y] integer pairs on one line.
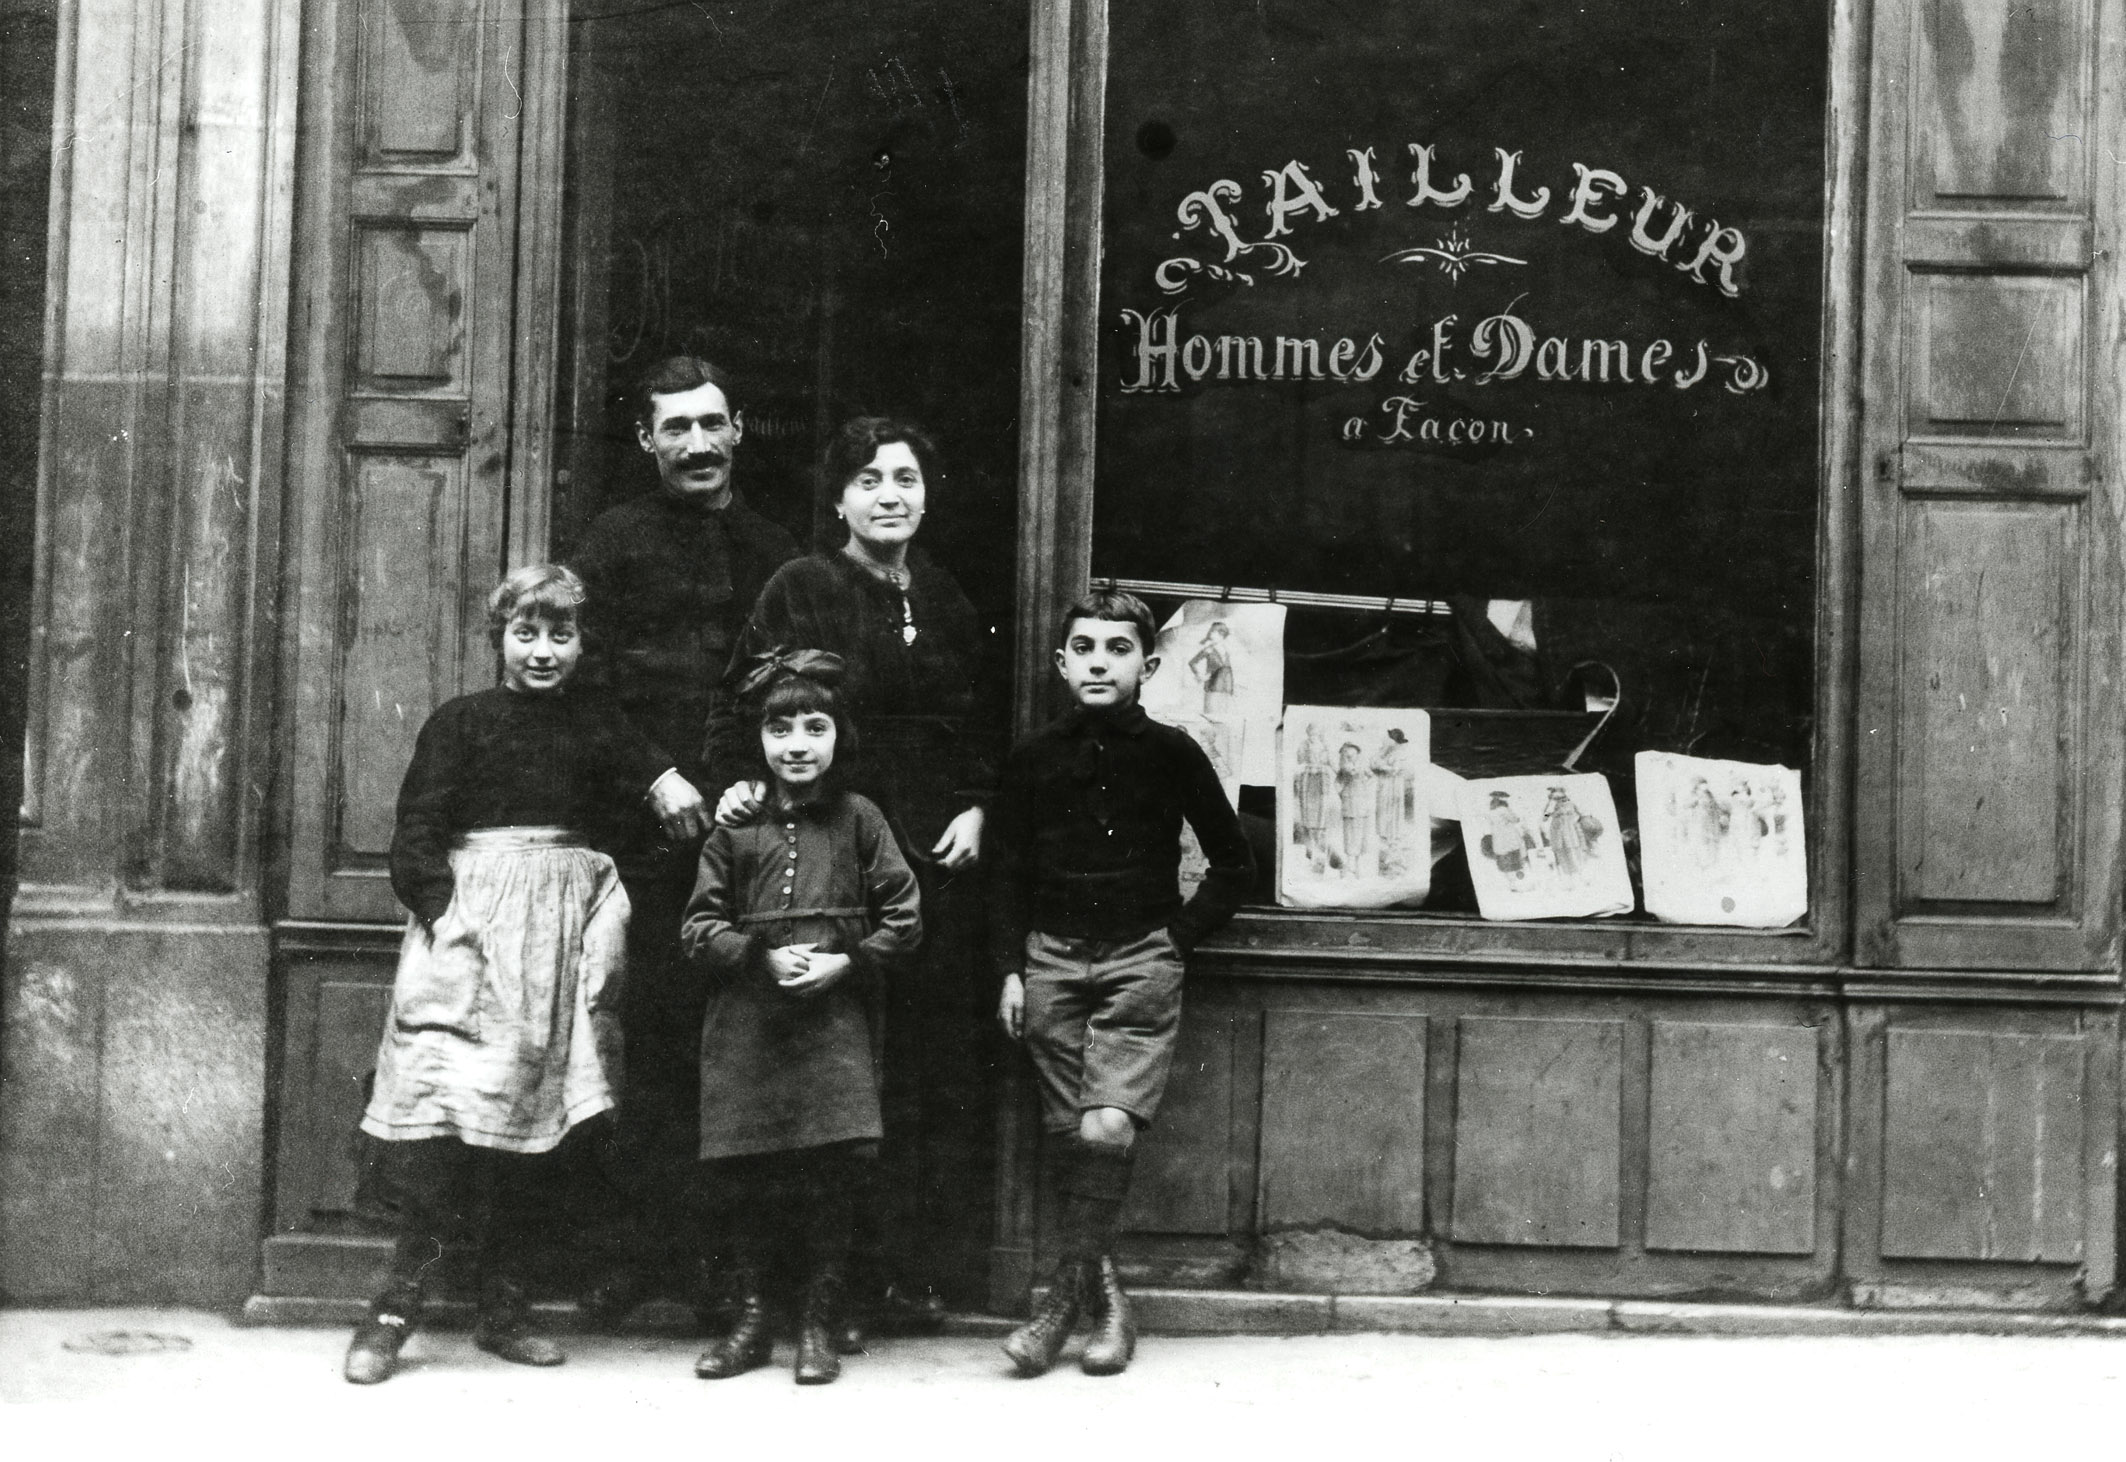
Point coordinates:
[[780, 1072]]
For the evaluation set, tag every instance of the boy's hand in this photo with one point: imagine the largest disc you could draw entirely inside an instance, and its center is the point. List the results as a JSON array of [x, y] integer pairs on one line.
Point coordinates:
[[679, 807], [789, 962], [1011, 1008], [962, 842], [741, 803], [822, 973]]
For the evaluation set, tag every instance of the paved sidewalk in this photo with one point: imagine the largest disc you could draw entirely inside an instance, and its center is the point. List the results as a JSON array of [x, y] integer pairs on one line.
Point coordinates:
[[183, 1383]]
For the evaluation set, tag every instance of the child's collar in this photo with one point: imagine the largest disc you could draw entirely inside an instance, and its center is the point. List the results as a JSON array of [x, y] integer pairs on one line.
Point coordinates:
[[1130, 720], [780, 809]]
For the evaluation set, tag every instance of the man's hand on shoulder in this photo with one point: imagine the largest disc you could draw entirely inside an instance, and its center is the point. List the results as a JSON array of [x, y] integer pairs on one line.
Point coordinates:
[[679, 807]]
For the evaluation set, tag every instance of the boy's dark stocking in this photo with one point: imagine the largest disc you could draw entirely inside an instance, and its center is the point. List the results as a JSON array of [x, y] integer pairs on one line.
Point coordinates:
[[1033, 1347], [745, 1193], [1092, 1186], [1093, 1195], [512, 1233]]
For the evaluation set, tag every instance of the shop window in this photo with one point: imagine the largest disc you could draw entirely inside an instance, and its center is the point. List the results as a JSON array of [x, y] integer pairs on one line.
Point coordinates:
[[1512, 315]]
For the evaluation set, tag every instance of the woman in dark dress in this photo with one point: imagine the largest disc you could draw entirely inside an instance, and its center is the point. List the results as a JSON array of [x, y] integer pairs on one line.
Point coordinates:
[[920, 685]]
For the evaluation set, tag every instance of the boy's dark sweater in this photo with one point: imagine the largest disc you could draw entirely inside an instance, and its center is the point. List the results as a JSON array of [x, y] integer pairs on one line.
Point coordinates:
[[1084, 836]]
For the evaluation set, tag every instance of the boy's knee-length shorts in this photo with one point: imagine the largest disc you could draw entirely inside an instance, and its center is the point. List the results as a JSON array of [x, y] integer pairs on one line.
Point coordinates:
[[1101, 1016]]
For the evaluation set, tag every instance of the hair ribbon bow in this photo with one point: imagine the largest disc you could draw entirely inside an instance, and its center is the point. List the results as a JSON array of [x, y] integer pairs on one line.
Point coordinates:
[[769, 666]]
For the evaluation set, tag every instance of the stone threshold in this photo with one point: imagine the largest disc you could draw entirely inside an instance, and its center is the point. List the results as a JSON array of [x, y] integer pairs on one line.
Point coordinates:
[[1250, 1312]]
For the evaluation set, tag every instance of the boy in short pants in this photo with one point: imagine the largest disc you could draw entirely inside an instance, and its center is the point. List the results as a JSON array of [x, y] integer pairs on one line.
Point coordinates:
[[1089, 934]]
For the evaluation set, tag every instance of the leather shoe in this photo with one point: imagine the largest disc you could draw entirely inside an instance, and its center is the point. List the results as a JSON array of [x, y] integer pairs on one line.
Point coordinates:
[[505, 1330], [817, 1360], [1114, 1339], [373, 1354], [517, 1344], [747, 1344], [1034, 1346]]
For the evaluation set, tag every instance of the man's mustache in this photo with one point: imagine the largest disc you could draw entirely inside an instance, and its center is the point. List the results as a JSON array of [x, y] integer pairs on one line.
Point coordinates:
[[706, 459]]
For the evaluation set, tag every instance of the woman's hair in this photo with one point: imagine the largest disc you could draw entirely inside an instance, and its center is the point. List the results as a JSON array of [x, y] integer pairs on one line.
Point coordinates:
[[851, 449], [542, 591], [792, 694]]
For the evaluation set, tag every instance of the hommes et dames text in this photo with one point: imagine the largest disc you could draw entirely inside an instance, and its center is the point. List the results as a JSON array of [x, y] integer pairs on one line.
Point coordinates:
[[1503, 346]]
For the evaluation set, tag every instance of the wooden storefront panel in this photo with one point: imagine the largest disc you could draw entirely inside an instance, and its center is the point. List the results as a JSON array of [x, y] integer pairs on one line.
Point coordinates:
[[1732, 1138], [1982, 1146], [1990, 589], [336, 1008], [1183, 1183], [1537, 1135], [402, 411], [1989, 769], [1343, 1121]]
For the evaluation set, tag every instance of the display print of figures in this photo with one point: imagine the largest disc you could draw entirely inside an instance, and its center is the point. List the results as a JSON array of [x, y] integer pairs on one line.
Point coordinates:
[[1395, 822], [1721, 841], [1506, 840], [1222, 679], [1545, 847], [1213, 668], [1570, 835], [1310, 788], [1354, 830]]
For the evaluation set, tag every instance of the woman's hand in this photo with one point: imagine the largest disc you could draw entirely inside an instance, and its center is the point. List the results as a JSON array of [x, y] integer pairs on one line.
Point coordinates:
[[1011, 1008], [962, 842], [822, 973], [741, 803], [789, 962], [679, 807]]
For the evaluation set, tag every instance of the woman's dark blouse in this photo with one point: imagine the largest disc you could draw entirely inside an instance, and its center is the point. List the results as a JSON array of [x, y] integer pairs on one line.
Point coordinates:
[[504, 758], [926, 715]]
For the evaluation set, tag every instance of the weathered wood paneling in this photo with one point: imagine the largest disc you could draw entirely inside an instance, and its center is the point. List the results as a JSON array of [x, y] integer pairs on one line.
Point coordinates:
[[1982, 1146], [1537, 1139], [421, 81], [1183, 1178], [1732, 1138], [402, 632], [1989, 590], [350, 1020], [403, 391], [1988, 805], [1343, 1121], [1998, 92], [1963, 381], [409, 325]]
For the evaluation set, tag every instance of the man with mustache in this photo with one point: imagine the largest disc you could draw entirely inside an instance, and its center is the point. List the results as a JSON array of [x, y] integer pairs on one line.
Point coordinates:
[[673, 574]]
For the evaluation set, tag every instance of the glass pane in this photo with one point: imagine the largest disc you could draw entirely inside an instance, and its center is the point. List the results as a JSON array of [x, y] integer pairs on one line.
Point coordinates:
[[1513, 309]]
